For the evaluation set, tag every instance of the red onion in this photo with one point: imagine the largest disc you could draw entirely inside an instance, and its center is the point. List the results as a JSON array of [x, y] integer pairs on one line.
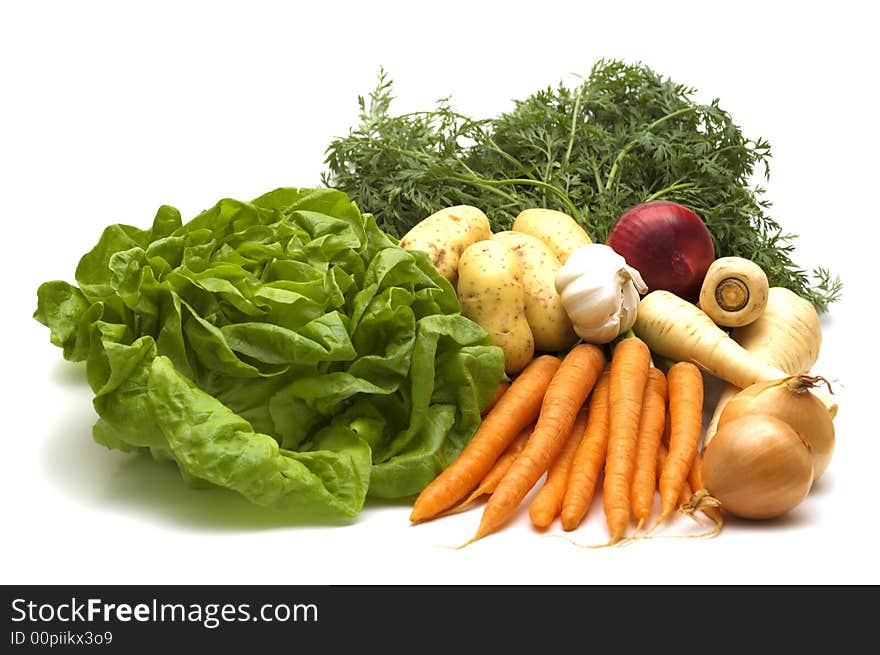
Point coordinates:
[[667, 243]]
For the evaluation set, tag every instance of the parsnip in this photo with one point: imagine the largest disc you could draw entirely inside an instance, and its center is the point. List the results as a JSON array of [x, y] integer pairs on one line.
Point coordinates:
[[787, 335], [679, 330], [734, 291]]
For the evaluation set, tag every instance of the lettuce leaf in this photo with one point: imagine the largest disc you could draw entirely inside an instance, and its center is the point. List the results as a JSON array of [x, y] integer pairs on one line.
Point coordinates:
[[284, 348]]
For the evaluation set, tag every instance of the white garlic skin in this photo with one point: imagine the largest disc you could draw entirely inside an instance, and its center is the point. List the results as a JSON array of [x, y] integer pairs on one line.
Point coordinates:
[[600, 292]]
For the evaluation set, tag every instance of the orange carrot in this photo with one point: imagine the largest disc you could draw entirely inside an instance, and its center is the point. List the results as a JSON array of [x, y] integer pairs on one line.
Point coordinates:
[[695, 499], [685, 494], [662, 452], [500, 390], [685, 390], [564, 398], [548, 501], [629, 374], [695, 476], [699, 499], [589, 458], [651, 426], [493, 477], [516, 409]]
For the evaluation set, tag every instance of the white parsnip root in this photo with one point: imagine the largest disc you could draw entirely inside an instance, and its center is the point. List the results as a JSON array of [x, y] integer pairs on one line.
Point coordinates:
[[787, 335], [679, 330], [734, 291]]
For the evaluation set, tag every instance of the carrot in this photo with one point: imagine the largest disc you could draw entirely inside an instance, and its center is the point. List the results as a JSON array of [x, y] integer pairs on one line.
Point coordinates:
[[516, 409], [548, 502], [629, 375], [589, 458], [651, 427], [493, 477], [500, 390], [685, 494], [695, 475], [662, 452], [566, 394], [699, 499], [685, 390], [694, 498]]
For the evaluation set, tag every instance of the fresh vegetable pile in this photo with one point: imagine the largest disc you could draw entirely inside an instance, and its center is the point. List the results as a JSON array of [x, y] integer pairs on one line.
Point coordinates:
[[284, 348], [538, 295], [595, 405]]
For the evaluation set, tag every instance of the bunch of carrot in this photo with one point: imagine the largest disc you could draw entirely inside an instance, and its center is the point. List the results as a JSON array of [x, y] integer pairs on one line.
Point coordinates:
[[575, 419]]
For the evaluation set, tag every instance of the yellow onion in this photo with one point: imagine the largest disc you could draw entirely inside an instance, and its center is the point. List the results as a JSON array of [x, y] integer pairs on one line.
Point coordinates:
[[757, 467], [790, 400]]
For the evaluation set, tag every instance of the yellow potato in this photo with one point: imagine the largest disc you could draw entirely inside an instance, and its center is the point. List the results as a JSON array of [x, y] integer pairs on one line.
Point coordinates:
[[491, 293], [558, 230], [551, 327], [445, 234]]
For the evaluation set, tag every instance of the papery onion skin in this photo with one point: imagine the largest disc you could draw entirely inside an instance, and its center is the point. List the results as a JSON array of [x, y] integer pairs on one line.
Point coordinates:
[[790, 400], [758, 467], [668, 243]]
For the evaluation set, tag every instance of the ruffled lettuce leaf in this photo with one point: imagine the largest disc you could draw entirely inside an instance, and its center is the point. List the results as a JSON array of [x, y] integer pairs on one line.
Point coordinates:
[[284, 348]]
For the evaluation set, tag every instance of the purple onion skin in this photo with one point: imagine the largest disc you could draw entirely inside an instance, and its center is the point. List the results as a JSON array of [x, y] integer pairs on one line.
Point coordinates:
[[667, 243]]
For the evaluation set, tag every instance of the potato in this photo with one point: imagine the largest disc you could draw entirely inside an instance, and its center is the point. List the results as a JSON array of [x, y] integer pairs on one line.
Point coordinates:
[[491, 293], [445, 234], [558, 230], [551, 327]]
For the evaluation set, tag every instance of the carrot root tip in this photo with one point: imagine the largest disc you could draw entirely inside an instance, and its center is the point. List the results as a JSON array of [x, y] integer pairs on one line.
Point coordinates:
[[663, 516], [719, 523], [580, 545], [638, 529]]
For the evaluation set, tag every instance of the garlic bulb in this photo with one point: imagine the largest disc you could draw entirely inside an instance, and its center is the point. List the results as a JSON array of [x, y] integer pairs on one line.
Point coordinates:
[[600, 292]]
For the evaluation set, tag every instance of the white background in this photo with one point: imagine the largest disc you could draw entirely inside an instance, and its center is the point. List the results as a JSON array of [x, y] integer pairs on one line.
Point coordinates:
[[108, 111]]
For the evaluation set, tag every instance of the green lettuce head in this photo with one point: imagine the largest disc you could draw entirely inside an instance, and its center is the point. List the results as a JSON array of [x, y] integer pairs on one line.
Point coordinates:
[[285, 348]]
